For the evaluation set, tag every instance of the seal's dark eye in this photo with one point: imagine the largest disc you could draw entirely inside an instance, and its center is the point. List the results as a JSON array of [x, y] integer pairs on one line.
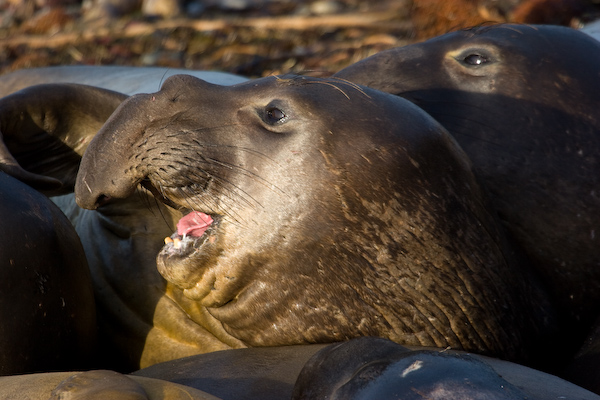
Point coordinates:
[[274, 115], [475, 59]]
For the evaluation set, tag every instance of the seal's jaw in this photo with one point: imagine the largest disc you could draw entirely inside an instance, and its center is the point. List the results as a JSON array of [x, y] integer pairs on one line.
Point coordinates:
[[183, 258], [191, 230]]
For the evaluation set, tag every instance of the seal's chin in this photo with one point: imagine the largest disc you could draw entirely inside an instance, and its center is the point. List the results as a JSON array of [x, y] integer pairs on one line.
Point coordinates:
[[193, 230], [188, 254]]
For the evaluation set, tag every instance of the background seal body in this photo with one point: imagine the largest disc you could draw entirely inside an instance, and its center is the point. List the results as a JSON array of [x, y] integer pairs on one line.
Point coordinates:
[[521, 101]]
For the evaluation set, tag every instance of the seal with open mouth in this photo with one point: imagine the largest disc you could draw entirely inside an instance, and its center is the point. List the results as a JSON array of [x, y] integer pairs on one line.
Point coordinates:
[[316, 211]]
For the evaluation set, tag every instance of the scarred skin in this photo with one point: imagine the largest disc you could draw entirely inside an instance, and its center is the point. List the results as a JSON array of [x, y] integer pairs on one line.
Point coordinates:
[[327, 225]]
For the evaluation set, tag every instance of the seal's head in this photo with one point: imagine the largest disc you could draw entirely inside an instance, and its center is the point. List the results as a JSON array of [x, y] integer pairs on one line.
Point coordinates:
[[315, 211], [543, 64]]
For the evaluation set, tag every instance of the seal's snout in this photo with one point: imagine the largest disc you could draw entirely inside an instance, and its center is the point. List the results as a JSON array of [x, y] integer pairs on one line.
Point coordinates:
[[106, 171], [121, 154], [91, 193], [93, 204], [101, 200]]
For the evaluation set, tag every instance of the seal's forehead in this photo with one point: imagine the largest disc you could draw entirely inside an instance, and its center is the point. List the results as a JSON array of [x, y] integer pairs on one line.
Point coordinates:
[[500, 30], [524, 36], [504, 39]]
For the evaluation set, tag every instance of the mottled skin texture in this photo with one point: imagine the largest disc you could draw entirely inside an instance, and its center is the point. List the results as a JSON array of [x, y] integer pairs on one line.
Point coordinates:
[[522, 101], [329, 225], [47, 310]]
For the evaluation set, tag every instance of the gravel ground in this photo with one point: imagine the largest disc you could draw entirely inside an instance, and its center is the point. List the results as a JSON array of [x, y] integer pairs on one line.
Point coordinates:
[[318, 37], [248, 37]]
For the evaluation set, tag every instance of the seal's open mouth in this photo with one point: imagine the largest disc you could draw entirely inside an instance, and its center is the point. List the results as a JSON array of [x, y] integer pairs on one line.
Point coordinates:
[[191, 233]]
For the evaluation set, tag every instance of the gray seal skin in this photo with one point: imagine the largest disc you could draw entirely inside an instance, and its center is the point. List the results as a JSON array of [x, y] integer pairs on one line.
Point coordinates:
[[330, 219], [47, 310], [126, 80], [373, 368], [267, 373], [522, 102]]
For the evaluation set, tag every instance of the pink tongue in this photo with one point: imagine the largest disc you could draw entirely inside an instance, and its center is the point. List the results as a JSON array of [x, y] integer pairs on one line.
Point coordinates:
[[194, 224]]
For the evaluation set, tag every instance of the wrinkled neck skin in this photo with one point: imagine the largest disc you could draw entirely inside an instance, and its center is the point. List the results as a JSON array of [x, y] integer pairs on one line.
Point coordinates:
[[143, 320], [367, 263], [335, 298]]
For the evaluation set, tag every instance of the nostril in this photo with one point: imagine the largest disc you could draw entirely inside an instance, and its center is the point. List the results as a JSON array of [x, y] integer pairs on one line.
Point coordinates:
[[102, 200]]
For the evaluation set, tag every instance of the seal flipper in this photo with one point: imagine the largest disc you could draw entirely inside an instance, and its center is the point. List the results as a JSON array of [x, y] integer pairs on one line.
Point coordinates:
[[9, 165], [44, 130]]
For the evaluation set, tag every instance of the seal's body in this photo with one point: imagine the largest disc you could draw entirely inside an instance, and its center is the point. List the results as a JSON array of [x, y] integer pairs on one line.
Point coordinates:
[[522, 102]]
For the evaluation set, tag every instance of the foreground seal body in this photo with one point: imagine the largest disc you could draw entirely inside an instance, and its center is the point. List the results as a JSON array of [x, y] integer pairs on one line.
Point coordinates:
[[522, 103], [313, 216], [363, 368], [126, 80], [375, 368], [47, 310]]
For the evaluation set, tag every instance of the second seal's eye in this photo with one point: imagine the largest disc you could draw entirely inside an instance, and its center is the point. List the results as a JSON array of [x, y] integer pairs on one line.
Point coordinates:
[[274, 115], [475, 59]]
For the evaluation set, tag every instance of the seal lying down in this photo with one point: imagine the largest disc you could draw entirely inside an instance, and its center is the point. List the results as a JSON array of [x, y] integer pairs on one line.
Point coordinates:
[[313, 211], [522, 101]]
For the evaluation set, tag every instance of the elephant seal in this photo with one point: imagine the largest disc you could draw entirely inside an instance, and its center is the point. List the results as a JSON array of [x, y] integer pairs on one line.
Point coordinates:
[[522, 102], [47, 310], [375, 368], [310, 215]]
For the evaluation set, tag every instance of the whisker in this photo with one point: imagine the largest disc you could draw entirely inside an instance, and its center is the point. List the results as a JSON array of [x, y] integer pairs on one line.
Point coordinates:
[[247, 173], [352, 85], [164, 218], [246, 197], [257, 178], [203, 201], [332, 85], [225, 181], [228, 197], [162, 79]]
